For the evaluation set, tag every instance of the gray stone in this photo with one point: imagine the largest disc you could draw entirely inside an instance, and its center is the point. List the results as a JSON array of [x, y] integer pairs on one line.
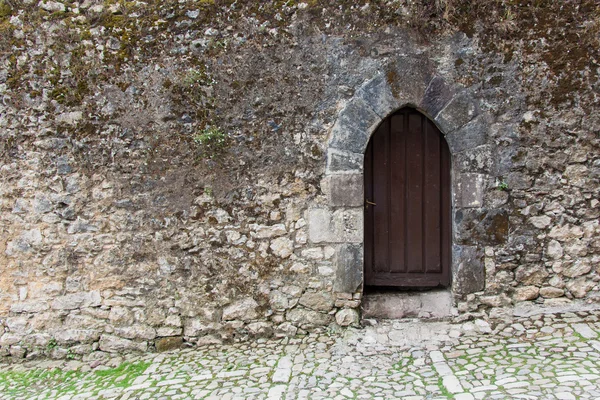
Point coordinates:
[[457, 113], [339, 226], [53, 6], [114, 344], [469, 190], [282, 247], [578, 268], [349, 268], [136, 331], [278, 301], [347, 317], [77, 300], [409, 77], [264, 231], [437, 95], [378, 95], [469, 273], [352, 129], [345, 190], [260, 329], [308, 317], [472, 135], [478, 159], [481, 226], [70, 336], [340, 161], [540, 222], [81, 226], [244, 310], [580, 287], [318, 301], [555, 250]]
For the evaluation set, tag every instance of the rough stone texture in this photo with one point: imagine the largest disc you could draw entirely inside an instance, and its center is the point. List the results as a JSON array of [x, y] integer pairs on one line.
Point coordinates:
[[468, 274], [160, 162]]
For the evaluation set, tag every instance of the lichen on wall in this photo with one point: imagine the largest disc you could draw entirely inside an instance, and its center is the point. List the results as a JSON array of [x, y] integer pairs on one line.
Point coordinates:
[[158, 159]]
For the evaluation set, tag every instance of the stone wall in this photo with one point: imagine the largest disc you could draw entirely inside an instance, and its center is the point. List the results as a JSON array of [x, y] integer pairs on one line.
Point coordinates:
[[193, 171]]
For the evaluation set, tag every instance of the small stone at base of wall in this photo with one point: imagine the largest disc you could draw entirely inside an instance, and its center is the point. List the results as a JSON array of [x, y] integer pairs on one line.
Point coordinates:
[[168, 343]]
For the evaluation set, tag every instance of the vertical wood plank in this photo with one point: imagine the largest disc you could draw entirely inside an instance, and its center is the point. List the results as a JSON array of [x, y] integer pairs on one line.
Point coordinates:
[[414, 189], [432, 199], [397, 192], [381, 198]]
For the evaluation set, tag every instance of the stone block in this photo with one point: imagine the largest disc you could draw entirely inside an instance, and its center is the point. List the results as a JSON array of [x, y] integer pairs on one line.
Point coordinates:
[[301, 316], [69, 336], [377, 94], [477, 159], [339, 226], [353, 127], [168, 343], [469, 272], [136, 331], [347, 317], [470, 190], [409, 77], [114, 344], [345, 190], [340, 162], [349, 268], [481, 226], [531, 274], [457, 113], [472, 135], [77, 300], [318, 301], [244, 310], [436, 96]]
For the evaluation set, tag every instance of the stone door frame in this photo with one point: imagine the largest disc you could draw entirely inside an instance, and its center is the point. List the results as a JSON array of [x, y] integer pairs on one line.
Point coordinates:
[[408, 82]]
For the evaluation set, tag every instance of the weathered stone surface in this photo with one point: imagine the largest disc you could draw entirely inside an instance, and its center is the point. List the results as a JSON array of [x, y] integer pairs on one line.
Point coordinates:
[[345, 190], [282, 247], [168, 343], [349, 268], [468, 274], [579, 287], [471, 135], [540, 222], [278, 301], [470, 190], [307, 317], [136, 331], [260, 329], [355, 122], [531, 274], [457, 113], [115, 344], [341, 161], [377, 94], [245, 310], [555, 250], [526, 293], [550, 292], [409, 77], [347, 317], [578, 268], [77, 300], [264, 231], [437, 95], [480, 226], [339, 226], [70, 336], [319, 301]]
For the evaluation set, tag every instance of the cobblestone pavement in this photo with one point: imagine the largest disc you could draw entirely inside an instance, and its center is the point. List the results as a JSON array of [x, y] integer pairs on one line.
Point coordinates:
[[539, 357]]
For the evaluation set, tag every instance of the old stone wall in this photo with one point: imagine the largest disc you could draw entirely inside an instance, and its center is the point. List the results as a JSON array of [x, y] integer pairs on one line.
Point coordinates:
[[191, 171]]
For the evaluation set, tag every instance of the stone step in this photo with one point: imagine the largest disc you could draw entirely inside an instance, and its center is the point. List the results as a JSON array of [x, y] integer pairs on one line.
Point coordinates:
[[409, 304]]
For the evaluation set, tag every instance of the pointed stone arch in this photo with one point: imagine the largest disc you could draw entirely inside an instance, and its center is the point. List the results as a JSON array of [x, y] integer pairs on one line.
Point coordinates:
[[408, 81]]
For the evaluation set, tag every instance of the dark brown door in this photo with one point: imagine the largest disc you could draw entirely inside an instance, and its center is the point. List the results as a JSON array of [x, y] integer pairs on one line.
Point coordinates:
[[407, 203]]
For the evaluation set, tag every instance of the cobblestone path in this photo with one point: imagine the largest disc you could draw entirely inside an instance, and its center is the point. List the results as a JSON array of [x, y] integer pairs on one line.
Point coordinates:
[[540, 357]]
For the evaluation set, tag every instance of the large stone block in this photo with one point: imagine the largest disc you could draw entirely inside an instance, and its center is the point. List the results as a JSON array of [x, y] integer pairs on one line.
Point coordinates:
[[377, 93], [339, 226], [114, 344], [469, 271], [472, 135], [349, 268], [245, 310], [340, 162], [481, 226], [436, 96], [354, 125], [345, 190], [470, 190], [409, 77], [318, 301], [77, 300], [457, 113]]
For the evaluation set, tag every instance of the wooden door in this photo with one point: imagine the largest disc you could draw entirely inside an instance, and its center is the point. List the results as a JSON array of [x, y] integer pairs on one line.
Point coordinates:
[[407, 203]]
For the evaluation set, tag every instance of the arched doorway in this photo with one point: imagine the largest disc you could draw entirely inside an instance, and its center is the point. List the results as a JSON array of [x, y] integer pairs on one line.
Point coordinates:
[[407, 204]]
